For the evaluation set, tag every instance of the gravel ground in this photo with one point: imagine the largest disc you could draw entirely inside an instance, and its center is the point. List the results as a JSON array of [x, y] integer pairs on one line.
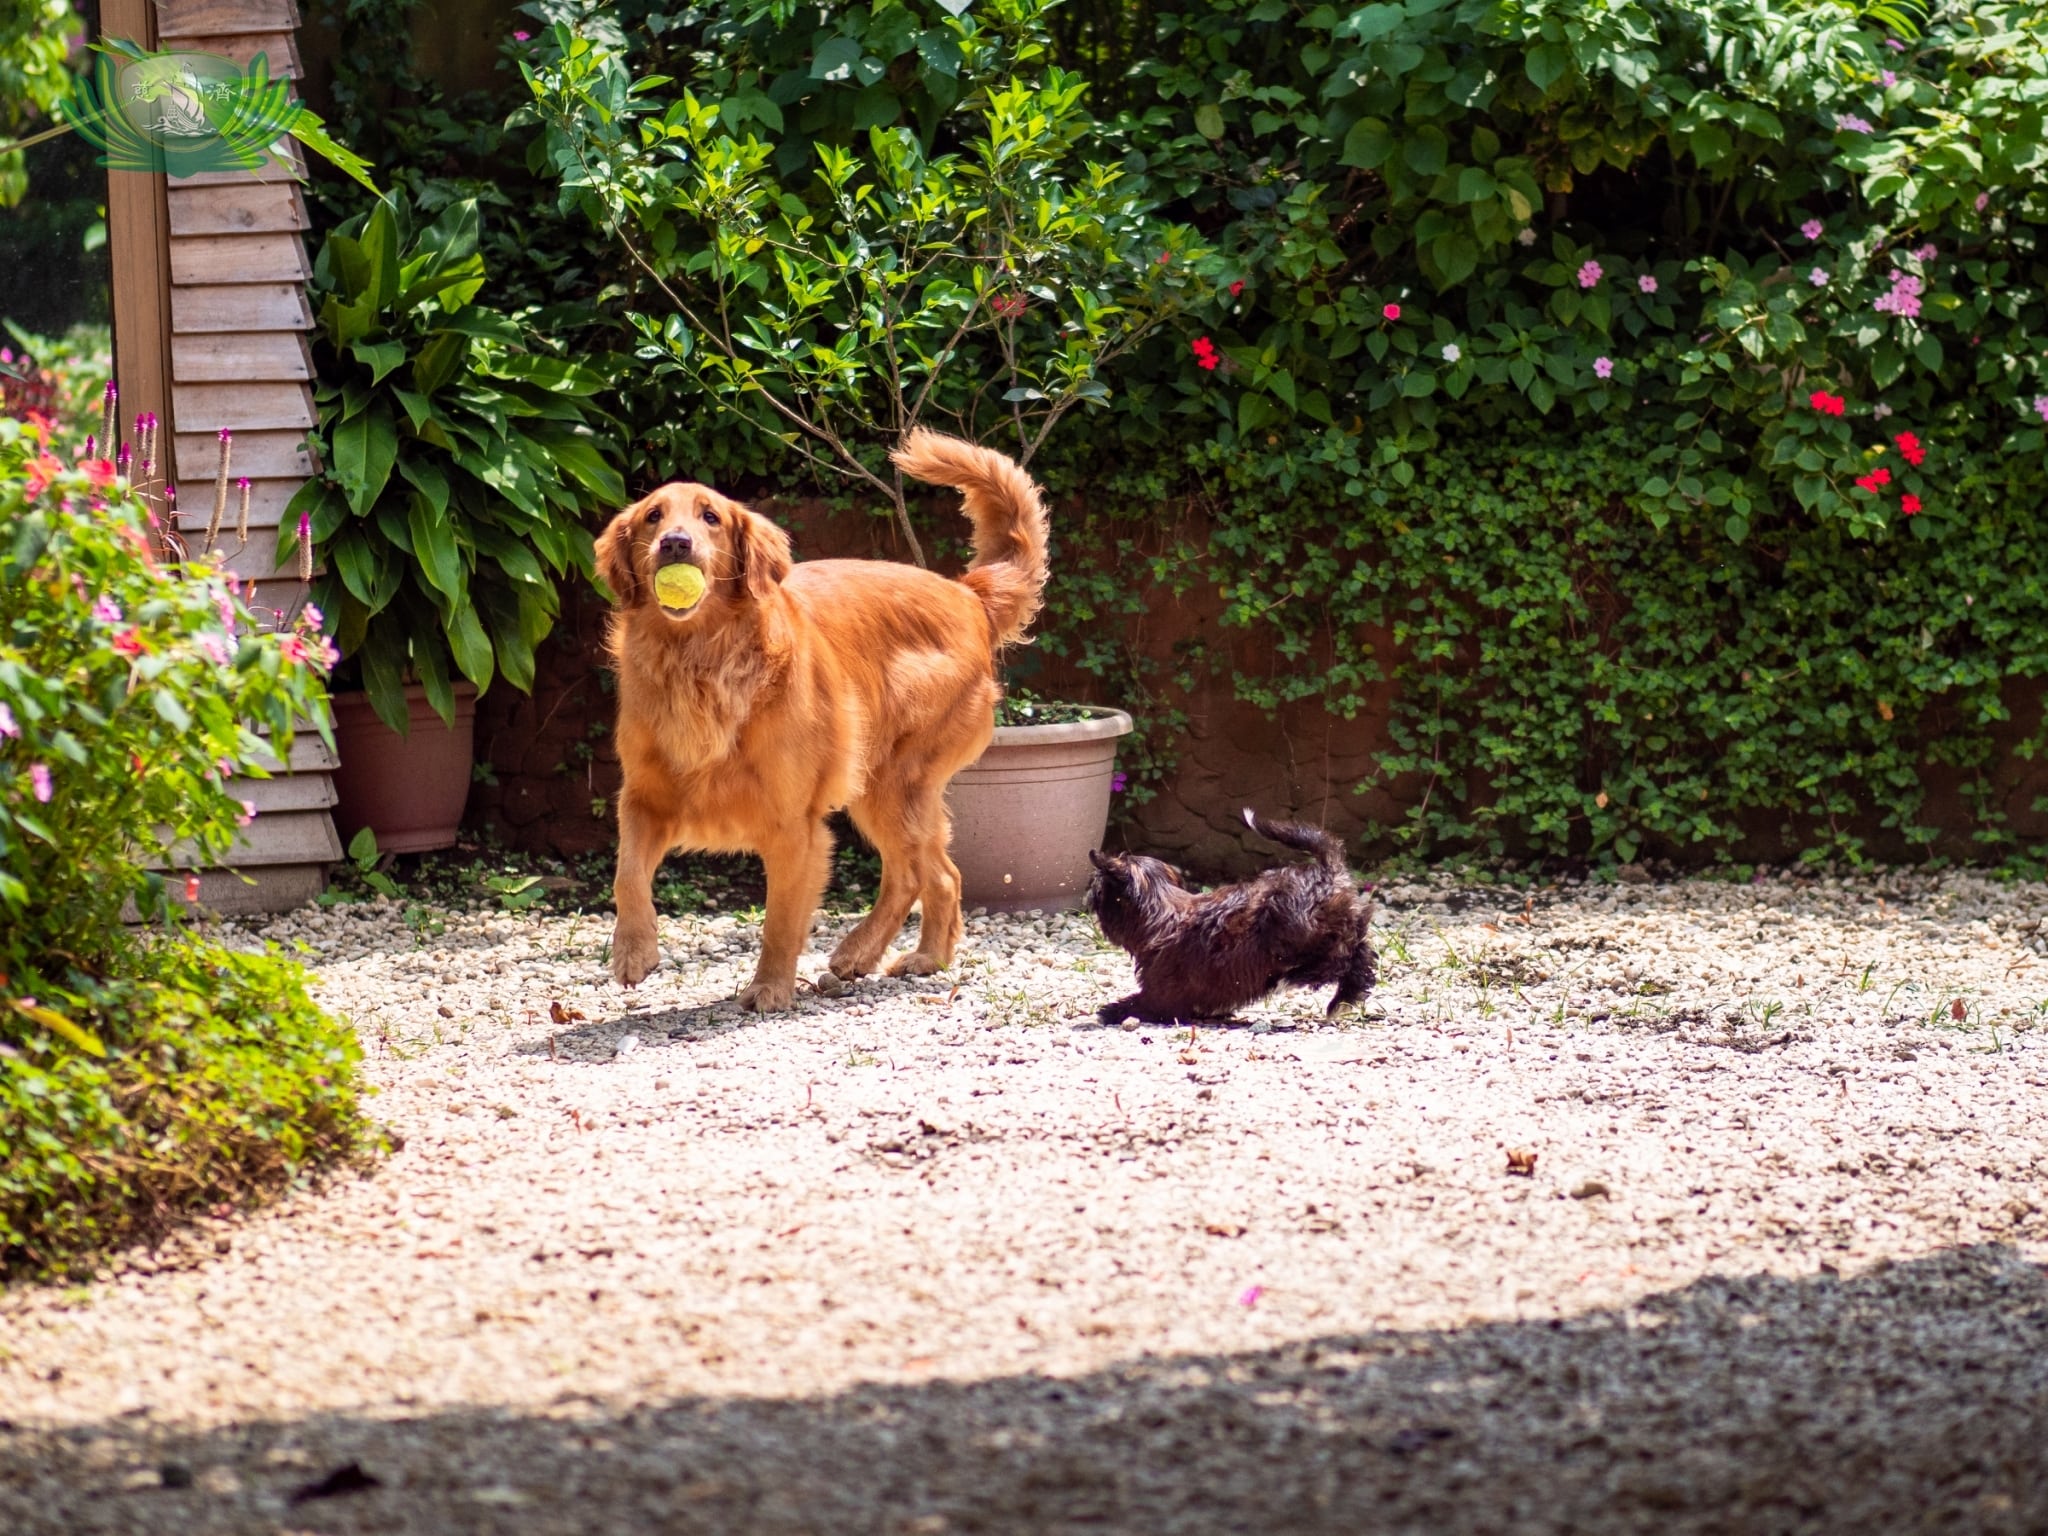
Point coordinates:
[[944, 1255]]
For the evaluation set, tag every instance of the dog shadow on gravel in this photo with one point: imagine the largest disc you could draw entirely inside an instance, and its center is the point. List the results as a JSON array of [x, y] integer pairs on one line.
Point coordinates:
[[1907, 1399]]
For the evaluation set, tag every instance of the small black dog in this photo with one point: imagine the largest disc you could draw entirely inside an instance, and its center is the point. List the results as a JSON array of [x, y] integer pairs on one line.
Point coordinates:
[[1204, 956]]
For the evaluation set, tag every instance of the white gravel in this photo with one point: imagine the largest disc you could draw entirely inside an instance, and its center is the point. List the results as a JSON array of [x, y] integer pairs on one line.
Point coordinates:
[[944, 1255]]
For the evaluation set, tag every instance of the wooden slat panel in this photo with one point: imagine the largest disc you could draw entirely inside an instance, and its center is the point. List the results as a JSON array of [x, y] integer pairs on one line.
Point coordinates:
[[280, 51], [252, 208], [267, 500], [277, 888], [241, 307], [215, 18], [259, 455], [309, 755], [239, 259], [293, 792], [209, 407], [226, 357], [257, 558], [286, 162]]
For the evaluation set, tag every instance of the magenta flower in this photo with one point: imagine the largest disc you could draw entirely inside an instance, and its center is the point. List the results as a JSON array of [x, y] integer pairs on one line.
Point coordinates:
[[7, 725], [1117, 782], [1603, 367], [39, 781], [1647, 283], [1812, 229], [521, 37], [2041, 406], [1249, 1297], [1589, 274], [106, 610]]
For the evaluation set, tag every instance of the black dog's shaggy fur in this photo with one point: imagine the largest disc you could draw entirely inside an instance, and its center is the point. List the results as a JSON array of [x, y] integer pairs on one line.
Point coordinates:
[[1205, 956]]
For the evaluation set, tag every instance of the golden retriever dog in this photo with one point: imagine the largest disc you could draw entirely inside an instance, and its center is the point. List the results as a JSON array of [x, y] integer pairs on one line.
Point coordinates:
[[791, 691]]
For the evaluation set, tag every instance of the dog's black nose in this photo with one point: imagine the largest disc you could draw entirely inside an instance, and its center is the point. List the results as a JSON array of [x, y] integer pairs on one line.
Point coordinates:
[[675, 546]]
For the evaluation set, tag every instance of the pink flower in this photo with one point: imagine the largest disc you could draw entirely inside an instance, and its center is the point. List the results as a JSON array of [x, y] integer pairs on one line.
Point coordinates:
[[248, 813], [215, 649], [39, 781], [1647, 283], [1850, 123], [1895, 45], [7, 725], [1983, 201], [1925, 252], [1904, 299], [106, 610], [1589, 274], [1603, 367], [314, 616], [1818, 277], [521, 37], [1391, 311], [1812, 229], [292, 649], [2041, 406], [1249, 1296], [1888, 79]]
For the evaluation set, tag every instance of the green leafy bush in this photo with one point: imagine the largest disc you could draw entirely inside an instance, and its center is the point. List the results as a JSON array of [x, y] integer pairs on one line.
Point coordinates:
[[459, 463], [1503, 298], [137, 1075]]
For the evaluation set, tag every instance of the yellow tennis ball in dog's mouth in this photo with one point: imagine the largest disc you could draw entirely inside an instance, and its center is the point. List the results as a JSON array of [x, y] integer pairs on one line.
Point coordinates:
[[679, 588]]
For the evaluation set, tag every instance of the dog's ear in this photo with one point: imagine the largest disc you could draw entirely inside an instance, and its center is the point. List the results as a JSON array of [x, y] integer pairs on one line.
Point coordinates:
[[763, 549], [615, 560], [1096, 857]]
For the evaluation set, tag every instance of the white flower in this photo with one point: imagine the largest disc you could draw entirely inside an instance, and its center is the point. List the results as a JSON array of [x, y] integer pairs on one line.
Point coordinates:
[[1880, 410], [1451, 352], [1527, 236]]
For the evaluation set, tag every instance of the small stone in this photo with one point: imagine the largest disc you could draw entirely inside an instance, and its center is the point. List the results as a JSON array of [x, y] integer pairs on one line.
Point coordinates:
[[174, 1474], [627, 1045], [830, 984], [1522, 1161], [1591, 1187]]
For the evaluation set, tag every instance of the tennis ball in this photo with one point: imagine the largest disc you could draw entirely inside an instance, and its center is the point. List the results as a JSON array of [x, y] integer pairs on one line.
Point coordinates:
[[680, 587]]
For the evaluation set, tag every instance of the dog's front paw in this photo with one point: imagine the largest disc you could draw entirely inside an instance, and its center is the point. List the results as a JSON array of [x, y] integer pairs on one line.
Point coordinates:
[[634, 957], [850, 961], [916, 963], [768, 996]]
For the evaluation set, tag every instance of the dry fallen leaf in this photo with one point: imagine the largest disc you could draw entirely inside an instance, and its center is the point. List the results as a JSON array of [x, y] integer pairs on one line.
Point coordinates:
[[1522, 1161], [562, 1015], [1957, 1011]]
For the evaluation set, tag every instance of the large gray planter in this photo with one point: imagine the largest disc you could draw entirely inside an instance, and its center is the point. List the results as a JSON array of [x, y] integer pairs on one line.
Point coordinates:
[[1027, 812]]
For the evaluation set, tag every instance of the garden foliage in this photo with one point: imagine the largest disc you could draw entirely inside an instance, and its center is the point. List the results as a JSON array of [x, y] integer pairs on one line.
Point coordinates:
[[137, 1074], [459, 462], [1497, 308]]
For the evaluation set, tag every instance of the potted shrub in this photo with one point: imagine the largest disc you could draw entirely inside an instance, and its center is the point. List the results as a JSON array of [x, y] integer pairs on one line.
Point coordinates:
[[832, 307], [458, 458]]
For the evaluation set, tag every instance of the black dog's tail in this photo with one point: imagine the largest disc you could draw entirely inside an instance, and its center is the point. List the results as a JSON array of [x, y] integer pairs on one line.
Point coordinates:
[[1328, 850]]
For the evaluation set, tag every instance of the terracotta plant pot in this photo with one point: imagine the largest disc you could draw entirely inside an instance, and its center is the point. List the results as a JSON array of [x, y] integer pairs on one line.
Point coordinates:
[[1028, 811], [409, 790]]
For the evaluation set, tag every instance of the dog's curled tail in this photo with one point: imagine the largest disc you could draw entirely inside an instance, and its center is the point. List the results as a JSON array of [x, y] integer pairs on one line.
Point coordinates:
[[1003, 502], [1328, 850]]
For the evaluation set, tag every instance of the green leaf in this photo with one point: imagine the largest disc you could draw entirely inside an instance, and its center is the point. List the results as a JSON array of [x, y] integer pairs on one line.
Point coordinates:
[[365, 448], [1209, 120], [1426, 150], [62, 1027], [1547, 64], [469, 644], [434, 546], [379, 357], [1367, 145]]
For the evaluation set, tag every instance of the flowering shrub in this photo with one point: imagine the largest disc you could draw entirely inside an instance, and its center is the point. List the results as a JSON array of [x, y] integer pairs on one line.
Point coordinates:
[[129, 694]]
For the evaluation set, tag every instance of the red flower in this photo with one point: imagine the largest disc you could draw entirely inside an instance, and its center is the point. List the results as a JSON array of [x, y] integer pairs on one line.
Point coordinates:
[[1880, 477], [1208, 361], [129, 642], [1392, 311], [1825, 403], [99, 471], [1909, 445], [1205, 353], [1909, 505], [42, 469], [1237, 287]]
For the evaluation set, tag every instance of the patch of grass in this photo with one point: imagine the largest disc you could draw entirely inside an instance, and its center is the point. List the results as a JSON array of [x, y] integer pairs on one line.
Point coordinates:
[[219, 1083]]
